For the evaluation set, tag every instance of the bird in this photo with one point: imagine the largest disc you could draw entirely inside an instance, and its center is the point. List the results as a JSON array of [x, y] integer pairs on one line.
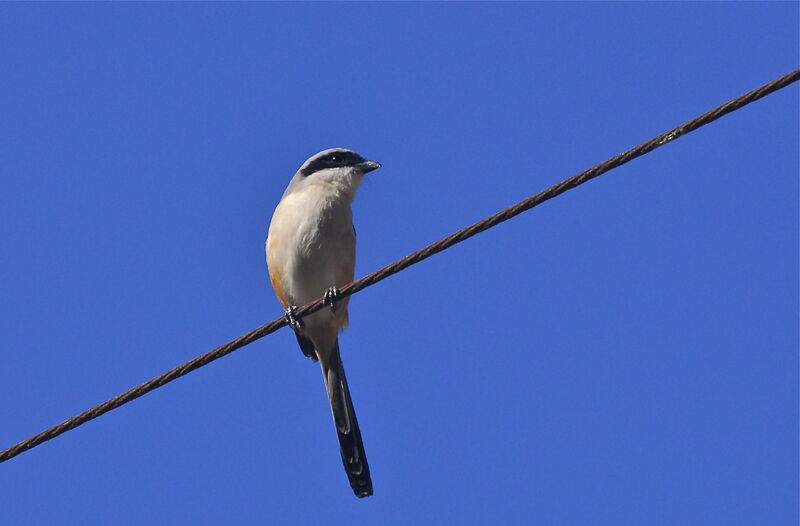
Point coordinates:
[[311, 249]]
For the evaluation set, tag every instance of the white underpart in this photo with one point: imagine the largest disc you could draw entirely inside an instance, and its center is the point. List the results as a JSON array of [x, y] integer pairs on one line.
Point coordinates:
[[311, 244]]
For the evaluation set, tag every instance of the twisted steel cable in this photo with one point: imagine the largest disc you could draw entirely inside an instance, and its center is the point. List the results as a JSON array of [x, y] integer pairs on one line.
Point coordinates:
[[403, 263]]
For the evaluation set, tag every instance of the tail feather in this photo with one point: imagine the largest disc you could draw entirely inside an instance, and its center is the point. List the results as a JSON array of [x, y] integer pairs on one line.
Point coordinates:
[[351, 445]]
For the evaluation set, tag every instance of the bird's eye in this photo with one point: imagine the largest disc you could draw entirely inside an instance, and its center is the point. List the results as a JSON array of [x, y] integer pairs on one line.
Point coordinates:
[[334, 159]]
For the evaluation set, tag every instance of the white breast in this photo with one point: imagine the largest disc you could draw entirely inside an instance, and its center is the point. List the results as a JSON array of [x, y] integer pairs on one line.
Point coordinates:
[[311, 243]]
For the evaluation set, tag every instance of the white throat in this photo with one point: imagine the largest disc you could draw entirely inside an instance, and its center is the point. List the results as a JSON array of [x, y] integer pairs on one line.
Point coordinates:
[[338, 184]]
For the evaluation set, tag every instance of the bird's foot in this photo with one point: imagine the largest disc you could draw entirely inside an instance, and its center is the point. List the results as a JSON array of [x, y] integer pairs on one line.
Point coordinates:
[[293, 322], [331, 297]]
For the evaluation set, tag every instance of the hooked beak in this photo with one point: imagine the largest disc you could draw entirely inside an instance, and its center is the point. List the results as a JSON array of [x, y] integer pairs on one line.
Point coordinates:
[[368, 166]]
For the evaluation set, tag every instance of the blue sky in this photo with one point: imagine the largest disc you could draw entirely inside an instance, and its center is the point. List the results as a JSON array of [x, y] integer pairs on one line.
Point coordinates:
[[623, 354]]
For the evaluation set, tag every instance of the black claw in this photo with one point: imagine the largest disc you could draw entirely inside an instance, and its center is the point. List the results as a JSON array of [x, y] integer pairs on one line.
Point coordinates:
[[293, 322], [331, 297]]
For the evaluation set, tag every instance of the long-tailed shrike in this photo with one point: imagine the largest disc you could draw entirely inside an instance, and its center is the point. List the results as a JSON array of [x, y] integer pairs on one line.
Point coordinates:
[[311, 250]]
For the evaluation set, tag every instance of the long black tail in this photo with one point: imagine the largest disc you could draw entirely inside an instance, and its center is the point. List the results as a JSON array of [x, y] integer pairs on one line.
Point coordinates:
[[344, 417]]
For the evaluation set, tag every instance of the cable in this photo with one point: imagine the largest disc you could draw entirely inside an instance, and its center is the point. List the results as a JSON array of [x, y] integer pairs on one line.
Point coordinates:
[[403, 263]]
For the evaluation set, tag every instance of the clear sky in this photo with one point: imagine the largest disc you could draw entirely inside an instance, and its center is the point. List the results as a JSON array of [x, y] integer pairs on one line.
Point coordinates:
[[624, 354]]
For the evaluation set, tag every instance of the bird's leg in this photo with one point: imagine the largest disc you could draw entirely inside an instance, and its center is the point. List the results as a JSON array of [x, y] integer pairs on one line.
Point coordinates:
[[293, 322], [331, 297]]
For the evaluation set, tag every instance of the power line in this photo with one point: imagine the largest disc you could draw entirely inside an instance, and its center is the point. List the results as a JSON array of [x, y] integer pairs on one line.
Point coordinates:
[[403, 263]]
